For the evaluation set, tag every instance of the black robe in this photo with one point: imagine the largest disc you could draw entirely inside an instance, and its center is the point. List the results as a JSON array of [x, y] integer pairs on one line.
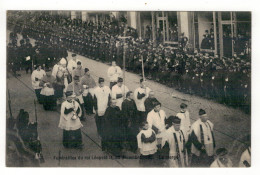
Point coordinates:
[[113, 135], [149, 104], [130, 126]]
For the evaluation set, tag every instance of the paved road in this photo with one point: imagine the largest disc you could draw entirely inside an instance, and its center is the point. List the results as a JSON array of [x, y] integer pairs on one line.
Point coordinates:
[[231, 125]]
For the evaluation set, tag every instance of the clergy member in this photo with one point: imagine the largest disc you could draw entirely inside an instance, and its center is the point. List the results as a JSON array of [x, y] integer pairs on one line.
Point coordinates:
[[102, 95], [36, 77], [175, 140], [202, 141], [119, 92], [70, 122], [113, 73], [140, 94]]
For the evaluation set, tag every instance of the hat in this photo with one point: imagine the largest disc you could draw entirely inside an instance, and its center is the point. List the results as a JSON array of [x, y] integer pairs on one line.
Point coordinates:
[[221, 152], [63, 61], [202, 112], [70, 94], [73, 55], [47, 69], [76, 77], [120, 79], [100, 80], [176, 120], [156, 103], [172, 119], [86, 69], [78, 63], [183, 105], [36, 66], [128, 93]]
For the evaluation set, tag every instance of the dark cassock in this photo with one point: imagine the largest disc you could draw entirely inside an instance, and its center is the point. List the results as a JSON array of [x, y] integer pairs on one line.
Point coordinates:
[[149, 102], [88, 94], [114, 128], [47, 92], [202, 141], [70, 122], [129, 114]]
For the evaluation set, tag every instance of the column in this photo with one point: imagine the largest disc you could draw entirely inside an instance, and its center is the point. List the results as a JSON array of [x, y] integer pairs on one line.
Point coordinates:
[[153, 29], [73, 15], [215, 33], [85, 16], [184, 28]]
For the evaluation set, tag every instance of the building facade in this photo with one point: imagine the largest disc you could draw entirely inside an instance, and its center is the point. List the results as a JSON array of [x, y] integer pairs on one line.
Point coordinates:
[[217, 33]]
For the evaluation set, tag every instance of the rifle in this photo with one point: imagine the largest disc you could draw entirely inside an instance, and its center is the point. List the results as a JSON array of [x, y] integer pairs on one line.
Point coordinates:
[[10, 120], [37, 143], [35, 110], [9, 105]]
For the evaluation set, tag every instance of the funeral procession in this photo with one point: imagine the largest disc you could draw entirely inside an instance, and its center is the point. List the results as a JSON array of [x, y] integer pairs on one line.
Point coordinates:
[[128, 88]]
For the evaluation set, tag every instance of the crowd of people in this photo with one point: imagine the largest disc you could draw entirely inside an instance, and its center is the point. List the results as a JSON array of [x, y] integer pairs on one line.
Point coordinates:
[[126, 119], [226, 80]]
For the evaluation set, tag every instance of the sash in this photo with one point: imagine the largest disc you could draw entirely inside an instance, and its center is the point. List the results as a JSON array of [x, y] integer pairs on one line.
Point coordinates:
[[202, 136], [184, 151], [177, 149], [213, 138]]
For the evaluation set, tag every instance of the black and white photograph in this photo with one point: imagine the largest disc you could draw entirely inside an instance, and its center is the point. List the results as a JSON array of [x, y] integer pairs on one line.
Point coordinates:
[[98, 88]]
